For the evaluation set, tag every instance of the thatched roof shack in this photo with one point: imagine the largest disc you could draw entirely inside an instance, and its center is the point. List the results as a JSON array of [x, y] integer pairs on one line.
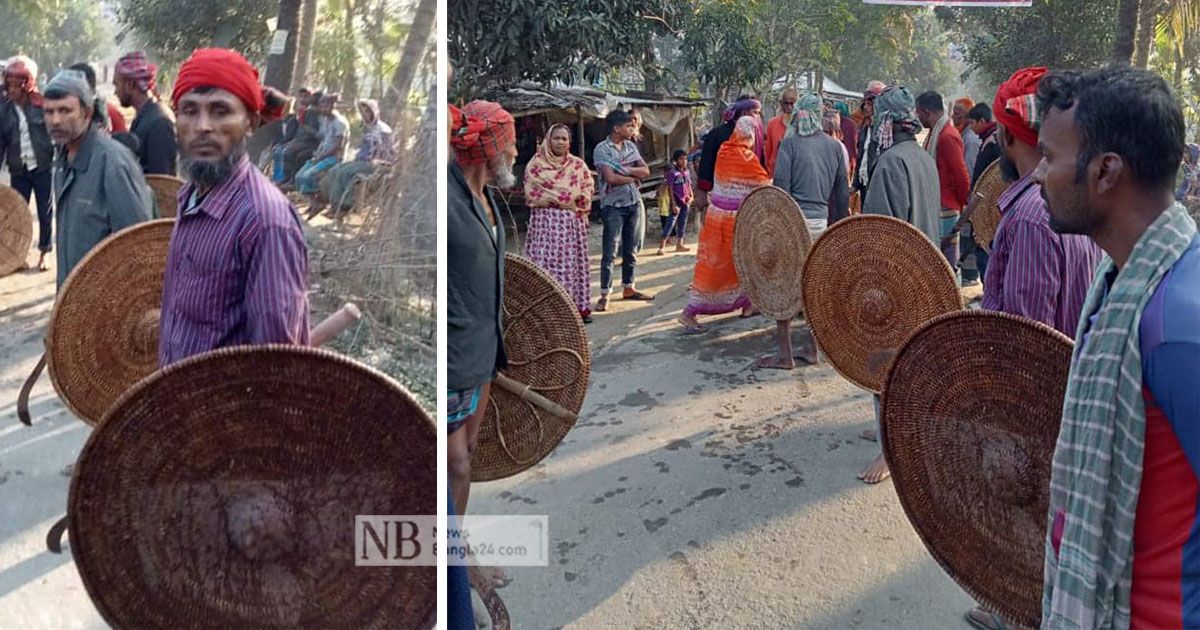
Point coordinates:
[[667, 123]]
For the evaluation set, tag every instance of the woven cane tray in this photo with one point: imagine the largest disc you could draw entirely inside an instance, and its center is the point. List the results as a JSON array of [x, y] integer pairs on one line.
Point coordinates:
[[166, 193], [548, 350], [16, 231], [103, 333], [986, 219], [770, 243], [222, 491], [869, 282], [970, 416]]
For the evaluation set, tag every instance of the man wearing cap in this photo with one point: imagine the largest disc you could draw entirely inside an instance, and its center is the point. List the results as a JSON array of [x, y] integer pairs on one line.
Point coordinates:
[[1032, 271], [26, 146], [237, 265], [905, 186], [1121, 544], [484, 142], [98, 188], [133, 78]]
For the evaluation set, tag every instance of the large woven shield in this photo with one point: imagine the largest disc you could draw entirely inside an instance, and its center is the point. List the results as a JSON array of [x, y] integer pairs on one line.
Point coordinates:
[[536, 399], [103, 333], [986, 219], [970, 416], [770, 243], [222, 491], [16, 230], [166, 193], [869, 282]]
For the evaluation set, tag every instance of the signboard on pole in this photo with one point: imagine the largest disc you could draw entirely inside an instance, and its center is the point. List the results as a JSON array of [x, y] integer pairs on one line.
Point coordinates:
[[279, 42]]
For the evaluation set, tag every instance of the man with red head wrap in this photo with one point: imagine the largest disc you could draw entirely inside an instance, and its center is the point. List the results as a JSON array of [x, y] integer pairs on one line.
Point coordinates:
[[25, 144], [484, 145], [1032, 271], [237, 265], [134, 80]]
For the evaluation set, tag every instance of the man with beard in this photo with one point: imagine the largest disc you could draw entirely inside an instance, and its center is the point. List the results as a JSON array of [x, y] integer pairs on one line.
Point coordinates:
[[237, 265], [1032, 270], [107, 117], [905, 186], [484, 142], [97, 186], [25, 145], [133, 78], [777, 128], [1121, 547]]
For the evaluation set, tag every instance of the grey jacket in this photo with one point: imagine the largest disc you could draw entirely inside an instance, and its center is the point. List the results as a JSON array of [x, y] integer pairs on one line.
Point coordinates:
[[101, 192], [810, 169], [905, 185], [475, 288]]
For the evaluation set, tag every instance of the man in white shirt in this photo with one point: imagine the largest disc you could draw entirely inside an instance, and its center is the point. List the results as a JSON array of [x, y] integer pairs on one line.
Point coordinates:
[[25, 145]]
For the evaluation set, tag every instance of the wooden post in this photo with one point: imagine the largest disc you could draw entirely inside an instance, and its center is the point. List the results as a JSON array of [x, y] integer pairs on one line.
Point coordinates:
[[582, 143]]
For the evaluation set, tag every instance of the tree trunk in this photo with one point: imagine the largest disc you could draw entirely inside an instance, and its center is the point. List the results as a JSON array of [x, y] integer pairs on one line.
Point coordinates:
[[279, 67], [304, 47], [350, 73], [1127, 18], [414, 50], [1147, 22]]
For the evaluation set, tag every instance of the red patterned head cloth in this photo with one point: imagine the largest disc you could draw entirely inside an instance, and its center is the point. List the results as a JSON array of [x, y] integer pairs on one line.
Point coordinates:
[[224, 69], [22, 66], [1015, 106], [483, 131], [137, 67]]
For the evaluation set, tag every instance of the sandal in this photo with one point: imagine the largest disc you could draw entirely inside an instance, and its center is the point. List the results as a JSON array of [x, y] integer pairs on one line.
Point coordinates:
[[984, 620], [601, 304], [637, 295]]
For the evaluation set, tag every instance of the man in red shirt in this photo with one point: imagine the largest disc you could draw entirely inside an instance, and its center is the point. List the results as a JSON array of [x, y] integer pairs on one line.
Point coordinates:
[[777, 128], [945, 145]]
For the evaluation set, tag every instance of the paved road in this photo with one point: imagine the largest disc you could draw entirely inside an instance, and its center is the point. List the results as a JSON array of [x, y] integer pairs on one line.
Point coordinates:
[[696, 491]]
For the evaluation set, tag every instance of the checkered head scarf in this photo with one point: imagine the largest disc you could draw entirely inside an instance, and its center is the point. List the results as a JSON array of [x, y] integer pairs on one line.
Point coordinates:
[[136, 67], [481, 131]]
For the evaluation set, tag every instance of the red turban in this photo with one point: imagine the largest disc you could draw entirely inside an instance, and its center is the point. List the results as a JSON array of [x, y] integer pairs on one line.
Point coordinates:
[[1015, 108], [482, 131], [224, 69]]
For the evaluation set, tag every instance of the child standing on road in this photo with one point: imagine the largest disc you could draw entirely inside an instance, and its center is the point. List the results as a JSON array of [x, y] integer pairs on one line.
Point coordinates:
[[674, 214]]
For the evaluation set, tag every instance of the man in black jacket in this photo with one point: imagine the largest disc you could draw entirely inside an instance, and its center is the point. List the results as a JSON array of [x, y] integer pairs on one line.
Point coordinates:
[[980, 120], [25, 145], [133, 78]]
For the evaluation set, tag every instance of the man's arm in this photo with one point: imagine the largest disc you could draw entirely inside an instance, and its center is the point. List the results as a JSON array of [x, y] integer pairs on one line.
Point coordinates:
[[276, 293], [126, 194], [886, 190], [782, 175], [1172, 374], [160, 148], [1032, 275], [841, 194]]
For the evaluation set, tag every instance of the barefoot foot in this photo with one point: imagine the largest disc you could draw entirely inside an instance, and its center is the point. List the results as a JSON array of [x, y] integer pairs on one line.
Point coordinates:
[[775, 362], [871, 435], [876, 472]]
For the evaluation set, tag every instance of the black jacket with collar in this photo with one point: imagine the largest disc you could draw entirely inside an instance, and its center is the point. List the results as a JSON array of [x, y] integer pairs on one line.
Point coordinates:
[[10, 136], [156, 133], [475, 287]]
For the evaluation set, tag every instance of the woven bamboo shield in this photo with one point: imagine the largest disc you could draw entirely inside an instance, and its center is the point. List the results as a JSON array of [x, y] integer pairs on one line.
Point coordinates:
[[970, 416], [548, 351], [103, 333], [166, 193], [222, 491], [986, 219], [869, 282], [16, 230], [770, 243]]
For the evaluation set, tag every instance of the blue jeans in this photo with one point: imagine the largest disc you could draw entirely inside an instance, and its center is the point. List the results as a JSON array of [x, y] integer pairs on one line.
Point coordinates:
[[619, 222], [277, 172], [308, 179], [674, 225]]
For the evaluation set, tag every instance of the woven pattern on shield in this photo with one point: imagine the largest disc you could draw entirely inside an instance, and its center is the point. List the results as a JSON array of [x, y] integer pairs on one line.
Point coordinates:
[[770, 244]]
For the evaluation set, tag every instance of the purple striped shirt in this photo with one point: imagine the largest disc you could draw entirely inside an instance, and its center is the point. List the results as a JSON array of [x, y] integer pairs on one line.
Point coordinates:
[[237, 270], [1033, 271]]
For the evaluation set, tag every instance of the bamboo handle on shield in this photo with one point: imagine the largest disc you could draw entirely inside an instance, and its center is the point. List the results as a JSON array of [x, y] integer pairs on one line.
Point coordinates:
[[524, 392], [334, 325]]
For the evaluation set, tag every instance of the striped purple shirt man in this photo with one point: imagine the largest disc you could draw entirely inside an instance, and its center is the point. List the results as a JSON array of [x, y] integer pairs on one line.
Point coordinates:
[[1033, 271], [237, 270]]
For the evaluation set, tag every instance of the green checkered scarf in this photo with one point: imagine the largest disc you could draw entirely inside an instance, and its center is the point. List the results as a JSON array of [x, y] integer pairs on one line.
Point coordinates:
[[1097, 468], [806, 119]]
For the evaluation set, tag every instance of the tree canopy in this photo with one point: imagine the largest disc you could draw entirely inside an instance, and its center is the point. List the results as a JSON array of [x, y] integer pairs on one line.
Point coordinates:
[[56, 36]]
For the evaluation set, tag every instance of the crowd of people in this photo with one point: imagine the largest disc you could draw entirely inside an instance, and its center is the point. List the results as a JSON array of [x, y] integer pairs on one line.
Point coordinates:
[[1094, 240]]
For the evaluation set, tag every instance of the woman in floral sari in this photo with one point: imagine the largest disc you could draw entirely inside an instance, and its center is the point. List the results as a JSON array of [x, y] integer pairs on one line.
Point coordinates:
[[715, 288], [558, 191]]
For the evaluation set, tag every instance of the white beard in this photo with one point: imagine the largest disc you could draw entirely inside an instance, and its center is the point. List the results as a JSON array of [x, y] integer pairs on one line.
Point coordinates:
[[501, 167]]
